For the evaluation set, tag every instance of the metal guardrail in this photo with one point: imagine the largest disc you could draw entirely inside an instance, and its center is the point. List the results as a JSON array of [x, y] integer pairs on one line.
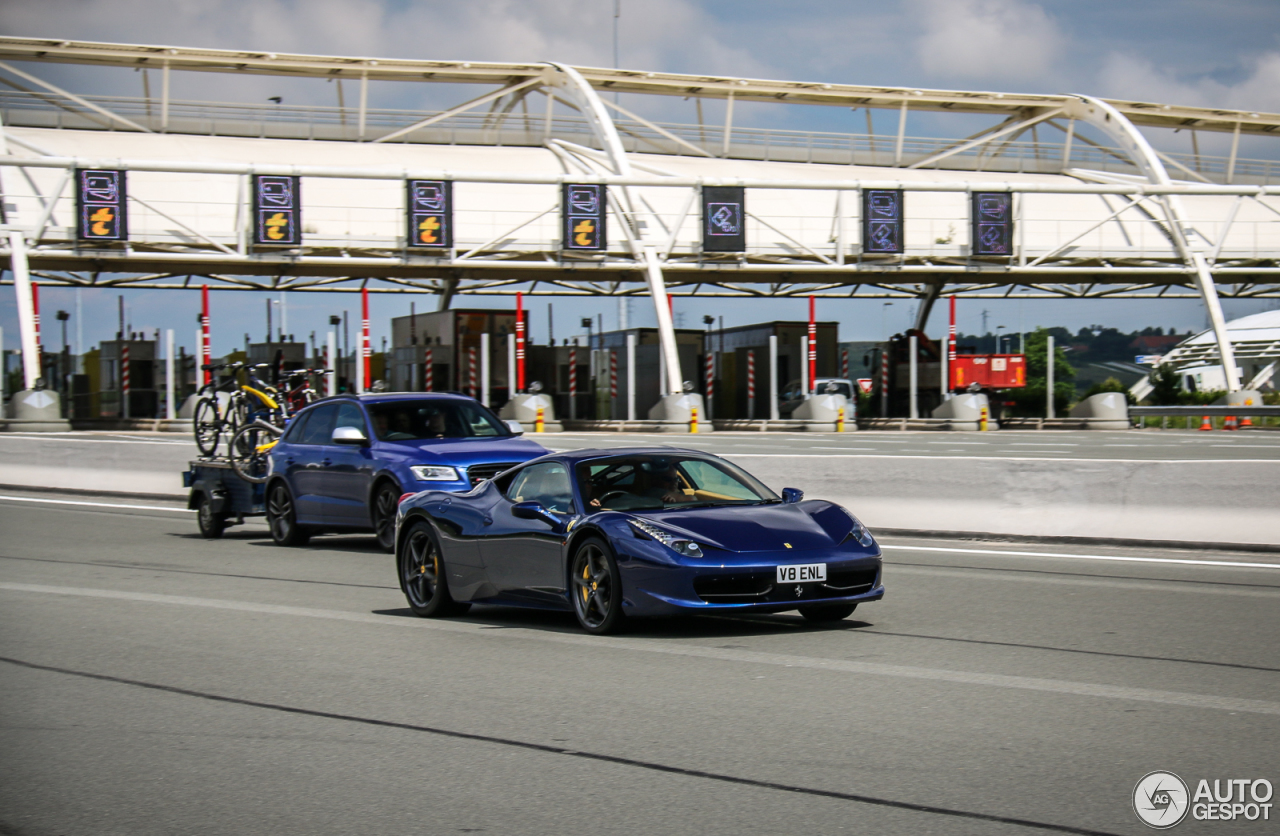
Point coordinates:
[[1196, 411]]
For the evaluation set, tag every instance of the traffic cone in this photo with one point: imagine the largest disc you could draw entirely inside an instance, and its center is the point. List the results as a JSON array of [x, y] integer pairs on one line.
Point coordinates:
[[1244, 419], [1206, 425], [1229, 423]]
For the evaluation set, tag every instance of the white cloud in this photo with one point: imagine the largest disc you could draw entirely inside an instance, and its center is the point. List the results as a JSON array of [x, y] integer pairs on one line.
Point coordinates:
[[1002, 40], [1129, 77], [660, 34]]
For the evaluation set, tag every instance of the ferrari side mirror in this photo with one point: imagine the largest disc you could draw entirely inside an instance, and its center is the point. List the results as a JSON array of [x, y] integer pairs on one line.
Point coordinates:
[[790, 496], [534, 510]]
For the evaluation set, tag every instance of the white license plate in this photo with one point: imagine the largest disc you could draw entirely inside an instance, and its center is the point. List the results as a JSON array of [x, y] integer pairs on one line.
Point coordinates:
[[802, 572]]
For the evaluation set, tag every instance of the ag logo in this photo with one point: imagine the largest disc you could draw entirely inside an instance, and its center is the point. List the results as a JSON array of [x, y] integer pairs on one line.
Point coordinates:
[[1161, 800]]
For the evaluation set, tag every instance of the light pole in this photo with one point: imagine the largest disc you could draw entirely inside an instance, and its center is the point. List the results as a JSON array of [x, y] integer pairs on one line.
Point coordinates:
[[884, 331], [999, 339]]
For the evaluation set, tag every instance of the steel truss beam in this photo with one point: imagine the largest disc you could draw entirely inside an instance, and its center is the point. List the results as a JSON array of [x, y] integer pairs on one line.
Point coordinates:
[[253, 62]]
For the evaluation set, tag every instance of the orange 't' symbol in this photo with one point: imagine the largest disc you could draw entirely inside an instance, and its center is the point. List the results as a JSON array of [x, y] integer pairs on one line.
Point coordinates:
[[429, 226], [100, 219], [276, 225], [583, 233]]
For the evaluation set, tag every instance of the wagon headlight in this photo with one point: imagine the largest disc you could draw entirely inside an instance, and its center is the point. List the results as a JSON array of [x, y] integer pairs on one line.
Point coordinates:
[[679, 545], [434, 473]]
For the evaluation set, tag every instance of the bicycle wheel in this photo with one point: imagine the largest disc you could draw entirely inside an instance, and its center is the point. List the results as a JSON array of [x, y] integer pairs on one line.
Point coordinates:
[[249, 453], [207, 425]]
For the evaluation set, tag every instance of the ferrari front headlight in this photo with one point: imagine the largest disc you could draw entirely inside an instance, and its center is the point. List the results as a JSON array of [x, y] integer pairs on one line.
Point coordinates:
[[679, 545]]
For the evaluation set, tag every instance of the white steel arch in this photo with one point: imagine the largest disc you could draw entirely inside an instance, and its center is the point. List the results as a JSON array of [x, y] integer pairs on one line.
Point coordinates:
[[1112, 122]]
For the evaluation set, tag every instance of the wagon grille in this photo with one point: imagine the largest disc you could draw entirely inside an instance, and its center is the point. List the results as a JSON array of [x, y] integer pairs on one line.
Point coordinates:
[[477, 473]]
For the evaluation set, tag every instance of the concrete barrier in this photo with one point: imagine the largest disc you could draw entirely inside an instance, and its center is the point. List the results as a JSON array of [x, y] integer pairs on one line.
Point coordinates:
[[1191, 501]]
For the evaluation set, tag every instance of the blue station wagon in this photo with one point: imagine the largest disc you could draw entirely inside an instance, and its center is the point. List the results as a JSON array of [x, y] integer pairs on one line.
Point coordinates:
[[344, 462]]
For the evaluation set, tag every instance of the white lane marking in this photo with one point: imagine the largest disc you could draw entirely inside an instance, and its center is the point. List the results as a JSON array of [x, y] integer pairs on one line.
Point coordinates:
[[45, 437], [994, 458], [1173, 560], [842, 448], [1026, 683], [1014, 576], [96, 504]]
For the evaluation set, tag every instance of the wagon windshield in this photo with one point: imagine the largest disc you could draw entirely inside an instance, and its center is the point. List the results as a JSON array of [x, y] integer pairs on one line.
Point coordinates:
[[653, 481], [422, 419]]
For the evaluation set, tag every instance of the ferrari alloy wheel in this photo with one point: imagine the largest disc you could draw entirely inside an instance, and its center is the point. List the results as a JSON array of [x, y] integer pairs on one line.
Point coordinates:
[[282, 518], [385, 503], [596, 588], [830, 612], [422, 574]]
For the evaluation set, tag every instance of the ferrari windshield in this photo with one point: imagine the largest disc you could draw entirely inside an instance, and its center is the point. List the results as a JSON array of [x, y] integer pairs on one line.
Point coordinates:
[[650, 481], [414, 420]]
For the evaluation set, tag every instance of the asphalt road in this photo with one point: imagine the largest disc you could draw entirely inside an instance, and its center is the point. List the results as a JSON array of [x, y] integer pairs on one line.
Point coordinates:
[[153, 682]]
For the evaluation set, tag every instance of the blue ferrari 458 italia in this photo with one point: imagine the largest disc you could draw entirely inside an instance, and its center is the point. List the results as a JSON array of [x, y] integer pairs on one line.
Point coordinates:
[[611, 534]]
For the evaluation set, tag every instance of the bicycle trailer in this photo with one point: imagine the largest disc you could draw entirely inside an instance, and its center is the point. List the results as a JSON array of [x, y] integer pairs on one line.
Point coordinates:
[[220, 497]]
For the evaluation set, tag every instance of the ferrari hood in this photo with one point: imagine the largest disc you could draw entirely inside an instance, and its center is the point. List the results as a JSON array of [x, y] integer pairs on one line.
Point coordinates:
[[756, 528]]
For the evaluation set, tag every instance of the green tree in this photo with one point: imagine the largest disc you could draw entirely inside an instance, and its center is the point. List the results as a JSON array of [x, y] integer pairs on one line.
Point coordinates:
[[1111, 384], [1031, 399], [1167, 386]]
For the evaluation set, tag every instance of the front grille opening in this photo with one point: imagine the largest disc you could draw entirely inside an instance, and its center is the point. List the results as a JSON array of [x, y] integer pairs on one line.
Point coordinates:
[[733, 589], [850, 581], [477, 473]]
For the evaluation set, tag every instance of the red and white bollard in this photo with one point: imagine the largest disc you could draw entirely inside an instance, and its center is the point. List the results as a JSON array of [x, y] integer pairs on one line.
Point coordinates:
[[204, 331], [613, 382], [428, 372], [472, 373], [844, 364], [573, 382], [751, 384], [124, 379], [711, 379], [884, 382]]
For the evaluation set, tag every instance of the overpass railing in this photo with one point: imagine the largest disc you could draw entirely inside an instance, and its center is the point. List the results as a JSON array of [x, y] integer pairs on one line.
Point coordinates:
[[531, 129]]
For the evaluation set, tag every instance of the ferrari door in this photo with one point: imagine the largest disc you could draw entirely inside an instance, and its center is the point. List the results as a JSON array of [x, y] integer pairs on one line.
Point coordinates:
[[525, 558]]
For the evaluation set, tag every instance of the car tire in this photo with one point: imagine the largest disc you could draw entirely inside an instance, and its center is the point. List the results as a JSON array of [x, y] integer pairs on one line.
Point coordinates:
[[282, 517], [596, 587], [424, 579], [211, 525], [828, 613], [382, 513]]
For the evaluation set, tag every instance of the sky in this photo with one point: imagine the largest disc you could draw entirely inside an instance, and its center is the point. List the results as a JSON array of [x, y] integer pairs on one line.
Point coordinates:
[[1225, 53]]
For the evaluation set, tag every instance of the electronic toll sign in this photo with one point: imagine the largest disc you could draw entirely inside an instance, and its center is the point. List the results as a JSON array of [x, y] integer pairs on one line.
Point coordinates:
[[102, 214], [724, 219], [583, 216], [277, 209], [992, 223], [430, 213], [882, 221]]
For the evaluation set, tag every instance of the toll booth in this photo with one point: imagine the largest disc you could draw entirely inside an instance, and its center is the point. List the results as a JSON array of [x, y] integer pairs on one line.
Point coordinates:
[[611, 348], [294, 354], [737, 352], [452, 338], [128, 366], [990, 373]]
